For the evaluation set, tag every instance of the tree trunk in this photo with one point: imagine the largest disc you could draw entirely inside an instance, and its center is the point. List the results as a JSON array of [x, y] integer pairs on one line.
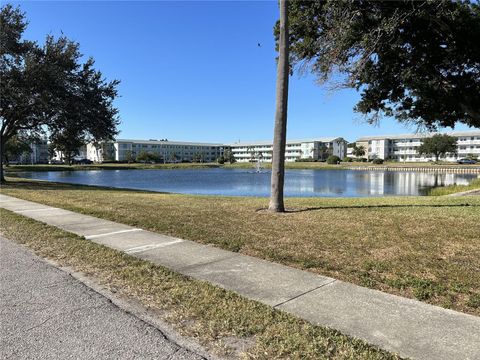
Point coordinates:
[[280, 131], [2, 154]]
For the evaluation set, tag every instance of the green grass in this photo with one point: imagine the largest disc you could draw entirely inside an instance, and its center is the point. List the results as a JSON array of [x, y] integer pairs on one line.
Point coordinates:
[[418, 247], [12, 169], [452, 189], [213, 316]]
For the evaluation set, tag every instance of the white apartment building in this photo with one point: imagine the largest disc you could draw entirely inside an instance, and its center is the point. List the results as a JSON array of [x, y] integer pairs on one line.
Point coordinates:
[[316, 149], [81, 153], [166, 151], [38, 154], [405, 147]]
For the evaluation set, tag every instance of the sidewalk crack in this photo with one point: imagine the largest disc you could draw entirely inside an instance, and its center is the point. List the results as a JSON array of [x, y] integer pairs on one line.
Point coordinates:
[[304, 293]]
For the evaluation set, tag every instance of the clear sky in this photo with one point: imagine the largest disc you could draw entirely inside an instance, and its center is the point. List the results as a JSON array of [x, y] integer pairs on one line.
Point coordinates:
[[193, 71]]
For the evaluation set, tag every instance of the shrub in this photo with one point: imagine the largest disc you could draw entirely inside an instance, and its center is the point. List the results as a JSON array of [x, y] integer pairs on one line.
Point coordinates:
[[377, 161], [305, 160], [221, 160], [347, 159], [333, 159]]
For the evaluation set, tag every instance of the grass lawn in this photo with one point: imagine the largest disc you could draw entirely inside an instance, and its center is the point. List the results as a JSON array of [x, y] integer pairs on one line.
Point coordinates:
[[12, 169], [419, 247], [216, 317], [452, 189]]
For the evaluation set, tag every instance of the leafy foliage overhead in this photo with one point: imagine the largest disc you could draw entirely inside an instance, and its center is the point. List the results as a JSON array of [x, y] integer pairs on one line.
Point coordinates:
[[418, 61]]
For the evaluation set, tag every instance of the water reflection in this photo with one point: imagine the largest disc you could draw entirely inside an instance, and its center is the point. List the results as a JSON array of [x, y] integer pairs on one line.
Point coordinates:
[[239, 182]]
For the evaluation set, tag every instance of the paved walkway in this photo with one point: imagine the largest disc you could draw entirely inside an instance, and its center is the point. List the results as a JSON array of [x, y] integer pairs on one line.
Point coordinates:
[[47, 314], [407, 327]]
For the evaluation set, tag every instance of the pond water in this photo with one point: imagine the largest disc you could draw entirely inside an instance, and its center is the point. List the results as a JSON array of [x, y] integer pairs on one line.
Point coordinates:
[[244, 182]]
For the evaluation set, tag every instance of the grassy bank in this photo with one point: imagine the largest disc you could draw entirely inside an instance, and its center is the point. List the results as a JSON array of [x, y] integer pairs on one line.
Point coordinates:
[[419, 247], [214, 316], [452, 189], [12, 169]]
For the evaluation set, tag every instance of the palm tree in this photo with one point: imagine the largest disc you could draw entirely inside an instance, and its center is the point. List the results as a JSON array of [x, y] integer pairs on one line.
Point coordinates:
[[280, 131]]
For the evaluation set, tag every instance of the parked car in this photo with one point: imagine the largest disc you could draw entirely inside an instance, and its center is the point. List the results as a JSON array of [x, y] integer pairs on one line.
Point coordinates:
[[466, 161]]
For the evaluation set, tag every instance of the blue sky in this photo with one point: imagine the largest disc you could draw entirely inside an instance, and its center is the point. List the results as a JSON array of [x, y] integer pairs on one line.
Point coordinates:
[[192, 71]]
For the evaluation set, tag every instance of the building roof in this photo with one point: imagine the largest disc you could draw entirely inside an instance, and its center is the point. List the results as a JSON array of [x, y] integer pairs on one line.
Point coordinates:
[[166, 142], [418, 135], [270, 142]]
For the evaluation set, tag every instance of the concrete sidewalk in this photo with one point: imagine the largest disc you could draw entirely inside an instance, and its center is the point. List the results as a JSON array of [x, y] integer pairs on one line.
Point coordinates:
[[407, 327]]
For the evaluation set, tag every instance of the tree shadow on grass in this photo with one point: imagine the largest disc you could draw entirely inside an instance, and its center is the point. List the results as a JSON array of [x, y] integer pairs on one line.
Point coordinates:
[[340, 207]]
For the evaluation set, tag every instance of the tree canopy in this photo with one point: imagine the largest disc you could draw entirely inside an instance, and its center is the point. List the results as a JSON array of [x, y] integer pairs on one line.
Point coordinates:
[[438, 146], [49, 88], [358, 151], [417, 61], [15, 147]]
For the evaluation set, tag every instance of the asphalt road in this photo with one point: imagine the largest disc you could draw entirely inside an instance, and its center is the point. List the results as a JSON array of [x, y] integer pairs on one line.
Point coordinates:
[[47, 314]]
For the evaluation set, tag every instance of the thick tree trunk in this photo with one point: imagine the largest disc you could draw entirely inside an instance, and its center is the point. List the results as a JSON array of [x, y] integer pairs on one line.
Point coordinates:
[[280, 132], [2, 155]]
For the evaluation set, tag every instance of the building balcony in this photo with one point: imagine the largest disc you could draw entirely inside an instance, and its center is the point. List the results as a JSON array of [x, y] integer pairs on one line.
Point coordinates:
[[408, 144]]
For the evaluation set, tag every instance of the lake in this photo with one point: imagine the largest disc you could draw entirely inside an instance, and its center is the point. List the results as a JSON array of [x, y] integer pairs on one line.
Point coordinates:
[[244, 182]]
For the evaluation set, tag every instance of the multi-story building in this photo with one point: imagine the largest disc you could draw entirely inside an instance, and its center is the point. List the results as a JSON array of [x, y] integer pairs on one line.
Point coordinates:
[[405, 147], [316, 149], [164, 150], [80, 153], [38, 154]]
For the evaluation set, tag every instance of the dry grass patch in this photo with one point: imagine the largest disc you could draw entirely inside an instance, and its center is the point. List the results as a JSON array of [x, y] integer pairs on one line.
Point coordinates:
[[212, 315], [422, 247]]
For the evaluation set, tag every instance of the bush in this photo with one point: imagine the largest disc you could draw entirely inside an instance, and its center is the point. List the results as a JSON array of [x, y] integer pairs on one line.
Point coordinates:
[[333, 159], [377, 161], [305, 160], [221, 160], [347, 159]]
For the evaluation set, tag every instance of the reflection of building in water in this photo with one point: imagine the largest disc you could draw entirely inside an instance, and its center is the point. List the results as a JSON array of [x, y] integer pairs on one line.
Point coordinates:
[[358, 181], [401, 183], [407, 183], [341, 182], [377, 183], [330, 182], [367, 183], [302, 184], [319, 182], [416, 183]]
